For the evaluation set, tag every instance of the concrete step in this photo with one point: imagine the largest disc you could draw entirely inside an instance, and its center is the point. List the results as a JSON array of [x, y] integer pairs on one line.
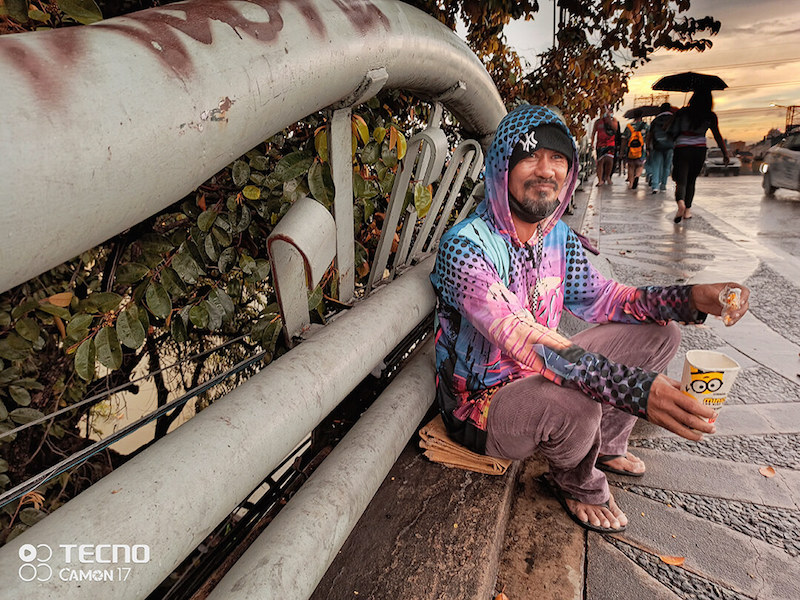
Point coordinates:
[[430, 533], [689, 473]]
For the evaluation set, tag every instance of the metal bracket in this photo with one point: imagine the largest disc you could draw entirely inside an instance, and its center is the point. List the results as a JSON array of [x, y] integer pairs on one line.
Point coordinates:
[[372, 83], [300, 248]]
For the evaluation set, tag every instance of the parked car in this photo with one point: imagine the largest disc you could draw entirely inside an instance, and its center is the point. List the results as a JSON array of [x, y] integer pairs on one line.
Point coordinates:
[[715, 163], [781, 167]]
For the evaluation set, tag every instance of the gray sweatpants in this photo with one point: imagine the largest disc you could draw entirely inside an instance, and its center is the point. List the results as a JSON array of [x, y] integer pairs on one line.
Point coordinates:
[[566, 426]]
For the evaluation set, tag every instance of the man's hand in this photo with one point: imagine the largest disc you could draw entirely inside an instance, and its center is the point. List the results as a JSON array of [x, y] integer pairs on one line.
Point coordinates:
[[705, 297], [680, 413]]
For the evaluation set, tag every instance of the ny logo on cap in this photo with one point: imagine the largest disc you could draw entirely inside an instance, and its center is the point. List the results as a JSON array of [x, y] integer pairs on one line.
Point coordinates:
[[529, 142]]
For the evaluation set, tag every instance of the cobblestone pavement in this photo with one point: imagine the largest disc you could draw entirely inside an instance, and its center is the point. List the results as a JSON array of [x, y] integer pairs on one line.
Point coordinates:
[[711, 503]]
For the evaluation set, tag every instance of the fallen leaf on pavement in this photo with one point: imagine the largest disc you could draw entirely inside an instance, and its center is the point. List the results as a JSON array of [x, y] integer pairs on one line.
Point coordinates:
[[767, 471], [501, 596], [673, 560]]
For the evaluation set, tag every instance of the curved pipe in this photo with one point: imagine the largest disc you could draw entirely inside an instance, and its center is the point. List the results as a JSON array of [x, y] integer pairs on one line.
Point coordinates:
[[110, 123]]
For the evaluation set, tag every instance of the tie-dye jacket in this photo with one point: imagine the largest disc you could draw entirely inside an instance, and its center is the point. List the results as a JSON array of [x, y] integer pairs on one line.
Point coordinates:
[[495, 324]]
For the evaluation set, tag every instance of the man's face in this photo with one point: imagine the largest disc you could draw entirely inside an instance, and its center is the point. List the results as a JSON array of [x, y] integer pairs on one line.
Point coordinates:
[[536, 181]]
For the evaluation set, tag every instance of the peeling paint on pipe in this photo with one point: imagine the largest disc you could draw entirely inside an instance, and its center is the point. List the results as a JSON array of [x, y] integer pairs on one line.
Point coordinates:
[[110, 123]]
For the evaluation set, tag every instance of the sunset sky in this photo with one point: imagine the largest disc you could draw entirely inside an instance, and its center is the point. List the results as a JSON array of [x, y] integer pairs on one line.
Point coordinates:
[[757, 53]]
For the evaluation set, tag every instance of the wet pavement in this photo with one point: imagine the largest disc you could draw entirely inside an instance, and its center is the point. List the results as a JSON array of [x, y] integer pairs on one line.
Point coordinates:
[[735, 530]]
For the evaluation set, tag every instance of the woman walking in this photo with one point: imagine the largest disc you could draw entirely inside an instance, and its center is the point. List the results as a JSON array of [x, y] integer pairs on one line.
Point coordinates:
[[689, 128]]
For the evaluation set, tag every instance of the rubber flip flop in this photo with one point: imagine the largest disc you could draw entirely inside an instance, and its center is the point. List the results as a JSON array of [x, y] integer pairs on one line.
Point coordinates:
[[562, 498], [601, 461]]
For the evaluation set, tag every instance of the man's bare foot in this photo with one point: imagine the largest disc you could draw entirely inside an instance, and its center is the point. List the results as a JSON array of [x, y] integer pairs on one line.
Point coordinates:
[[628, 464], [610, 517]]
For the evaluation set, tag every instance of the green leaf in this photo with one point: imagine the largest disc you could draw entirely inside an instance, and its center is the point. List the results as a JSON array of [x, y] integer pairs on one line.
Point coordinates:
[[371, 153], [158, 300], [198, 315], [28, 328], [85, 12], [321, 144], [85, 359], [9, 375], [185, 266], [131, 273], [172, 283], [109, 352], [3, 463], [222, 301], [78, 326], [320, 183], [292, 165], [5, 319], [17, 9], [178, 330], [211, 247], [259, 162], [369, 209], [58, 311], [315, 298], [215, 315], [12, 347], [227, 259], [3, 412], [251, 192], [22, 309], [379, 133], [20, 416], [223, 237], [29, 383], [129, 328], [104, 301], [260, 272], [206, 219], [157, 244], [245, 217], [240, 173], [422, 200], [389, 157], [38, 15], [20, 395]]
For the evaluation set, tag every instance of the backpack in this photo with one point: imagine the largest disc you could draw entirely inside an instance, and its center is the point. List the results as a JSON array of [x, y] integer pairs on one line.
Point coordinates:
[[662, 139], [635, 143]]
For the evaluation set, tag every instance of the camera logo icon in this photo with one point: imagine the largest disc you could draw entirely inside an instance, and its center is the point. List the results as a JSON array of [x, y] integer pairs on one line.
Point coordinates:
[[34, 562]]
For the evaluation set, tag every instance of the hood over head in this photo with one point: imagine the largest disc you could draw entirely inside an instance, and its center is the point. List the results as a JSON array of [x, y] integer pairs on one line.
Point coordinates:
[[514, 129]]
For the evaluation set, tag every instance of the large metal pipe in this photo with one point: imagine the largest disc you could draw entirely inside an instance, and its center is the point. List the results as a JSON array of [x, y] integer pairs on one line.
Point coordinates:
[[107, 124], [170, 496], [288, 560]]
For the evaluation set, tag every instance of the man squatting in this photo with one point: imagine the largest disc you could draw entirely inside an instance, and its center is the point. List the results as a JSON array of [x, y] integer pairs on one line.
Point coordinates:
[[508, 384]]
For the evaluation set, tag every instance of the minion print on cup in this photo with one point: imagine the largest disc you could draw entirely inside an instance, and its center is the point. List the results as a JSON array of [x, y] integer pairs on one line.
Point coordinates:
[[708, 377]]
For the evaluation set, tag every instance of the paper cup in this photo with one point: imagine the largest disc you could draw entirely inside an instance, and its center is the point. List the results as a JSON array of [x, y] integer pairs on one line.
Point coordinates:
[[708, 376]]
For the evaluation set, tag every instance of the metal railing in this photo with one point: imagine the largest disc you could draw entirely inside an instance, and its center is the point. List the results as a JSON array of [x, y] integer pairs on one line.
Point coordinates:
[[212, 80]]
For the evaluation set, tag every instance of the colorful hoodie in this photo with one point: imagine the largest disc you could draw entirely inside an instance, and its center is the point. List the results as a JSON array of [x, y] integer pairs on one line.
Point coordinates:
[[500, 301]]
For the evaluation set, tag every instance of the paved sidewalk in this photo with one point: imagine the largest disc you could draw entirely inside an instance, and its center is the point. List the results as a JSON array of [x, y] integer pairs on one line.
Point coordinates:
[[737, 530]]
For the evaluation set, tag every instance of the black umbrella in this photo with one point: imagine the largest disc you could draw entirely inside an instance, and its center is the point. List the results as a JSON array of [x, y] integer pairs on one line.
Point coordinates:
[[647, 111], [689, 82]]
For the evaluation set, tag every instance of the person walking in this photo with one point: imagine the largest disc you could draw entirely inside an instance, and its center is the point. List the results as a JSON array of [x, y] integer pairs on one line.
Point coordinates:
[[605, 139], [633, 140], [688, 128], [660, 147]]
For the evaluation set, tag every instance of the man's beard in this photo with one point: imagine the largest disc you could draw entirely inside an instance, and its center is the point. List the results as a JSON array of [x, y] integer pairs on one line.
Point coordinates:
[[535, 206]]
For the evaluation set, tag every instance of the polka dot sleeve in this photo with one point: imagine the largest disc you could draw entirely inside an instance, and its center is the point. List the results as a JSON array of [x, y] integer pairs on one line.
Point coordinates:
[[595, 299]]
